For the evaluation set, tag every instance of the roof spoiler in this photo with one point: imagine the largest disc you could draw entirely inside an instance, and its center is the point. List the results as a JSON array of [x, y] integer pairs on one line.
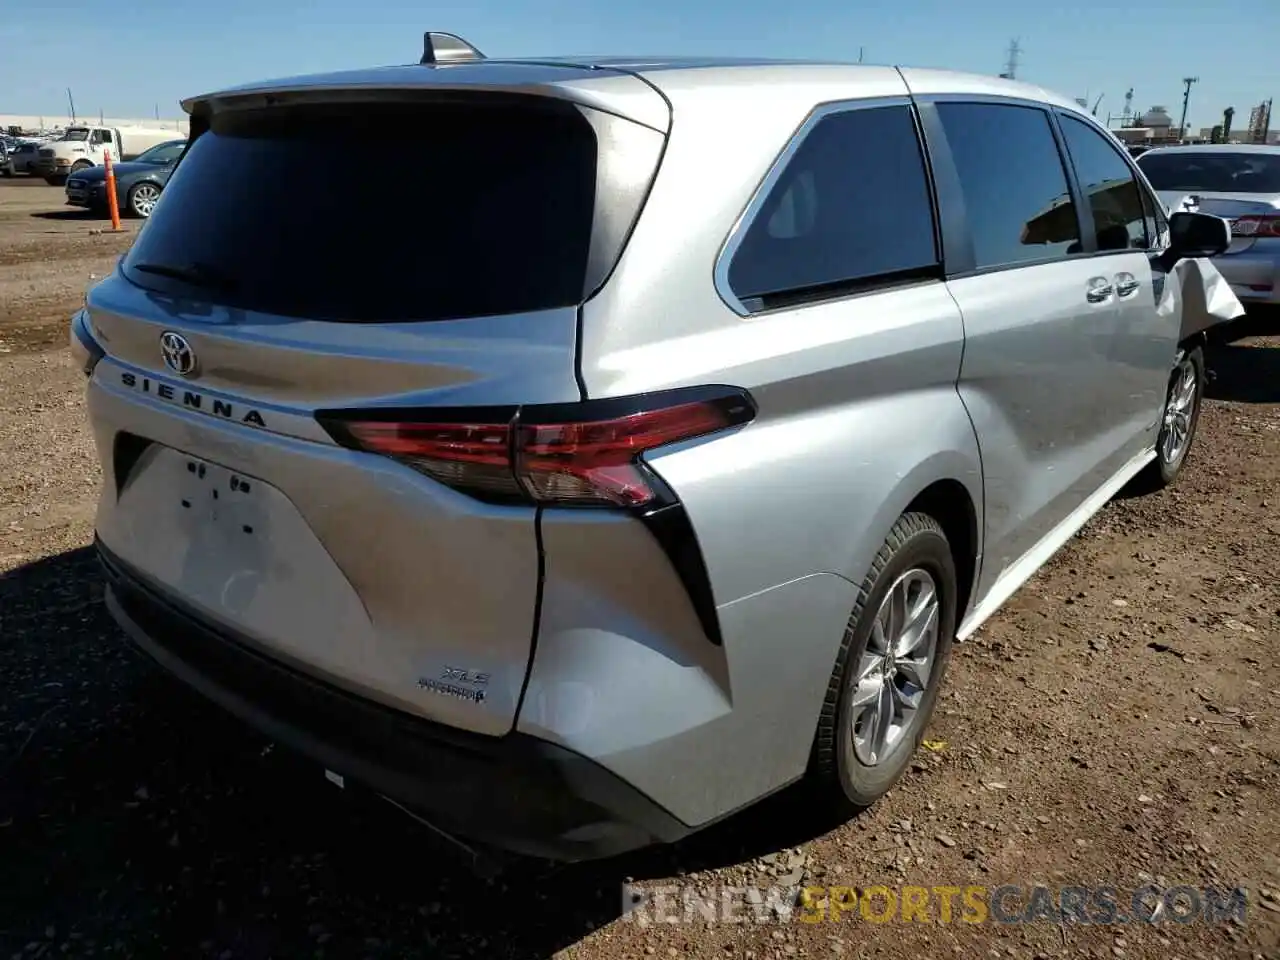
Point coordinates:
[[447, 48]]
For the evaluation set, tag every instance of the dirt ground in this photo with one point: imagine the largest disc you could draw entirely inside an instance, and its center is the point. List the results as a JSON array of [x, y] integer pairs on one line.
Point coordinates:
[[1117, 723]]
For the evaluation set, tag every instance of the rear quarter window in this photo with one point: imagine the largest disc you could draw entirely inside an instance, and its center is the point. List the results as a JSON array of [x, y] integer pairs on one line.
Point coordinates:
[[466, 209], [852, 207]]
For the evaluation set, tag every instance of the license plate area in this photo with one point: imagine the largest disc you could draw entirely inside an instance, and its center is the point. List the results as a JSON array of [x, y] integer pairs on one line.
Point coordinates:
[[220, 498], [225, 519], [236, 548]]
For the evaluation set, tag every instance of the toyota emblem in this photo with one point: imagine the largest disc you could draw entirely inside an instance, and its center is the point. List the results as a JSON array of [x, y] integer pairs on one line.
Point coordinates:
[[177, 353]]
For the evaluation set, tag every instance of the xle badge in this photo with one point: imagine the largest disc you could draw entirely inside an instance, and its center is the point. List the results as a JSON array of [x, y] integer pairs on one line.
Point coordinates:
[[457, 682]]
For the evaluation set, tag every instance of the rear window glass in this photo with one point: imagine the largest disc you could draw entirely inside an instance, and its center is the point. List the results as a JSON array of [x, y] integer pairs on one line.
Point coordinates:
[[1227, 172], [451, 210]]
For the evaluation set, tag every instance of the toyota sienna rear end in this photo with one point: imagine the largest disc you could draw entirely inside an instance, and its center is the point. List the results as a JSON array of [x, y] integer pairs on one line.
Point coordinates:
[[330, 412], [603, 467]]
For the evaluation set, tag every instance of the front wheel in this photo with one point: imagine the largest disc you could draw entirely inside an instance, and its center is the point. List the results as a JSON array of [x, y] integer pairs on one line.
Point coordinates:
[[1179, 421], [80, 165], [890, 667], [142, 199]]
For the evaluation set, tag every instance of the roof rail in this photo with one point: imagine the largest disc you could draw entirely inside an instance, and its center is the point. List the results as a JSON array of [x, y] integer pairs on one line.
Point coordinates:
[[440, 47]]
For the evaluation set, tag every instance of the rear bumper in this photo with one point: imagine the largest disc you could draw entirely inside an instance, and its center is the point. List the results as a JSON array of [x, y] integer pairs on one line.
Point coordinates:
[[516, 792], [1254, 275]]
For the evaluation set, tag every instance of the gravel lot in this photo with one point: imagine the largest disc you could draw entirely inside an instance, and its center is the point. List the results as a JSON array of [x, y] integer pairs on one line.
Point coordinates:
[[1118, 723]]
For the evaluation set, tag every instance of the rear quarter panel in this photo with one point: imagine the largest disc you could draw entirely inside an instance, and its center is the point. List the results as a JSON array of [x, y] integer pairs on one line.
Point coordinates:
[[858, 413]]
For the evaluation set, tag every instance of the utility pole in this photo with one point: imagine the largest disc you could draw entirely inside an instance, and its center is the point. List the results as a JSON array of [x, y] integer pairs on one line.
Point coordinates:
[[72, 104], [1186, 99], [1011, 65], [1227, 114], [860, 51], [157, 111]]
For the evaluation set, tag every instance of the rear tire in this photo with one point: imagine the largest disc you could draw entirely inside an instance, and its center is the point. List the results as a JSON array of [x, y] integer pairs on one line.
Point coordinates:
[[1178, 422], [866, 732]]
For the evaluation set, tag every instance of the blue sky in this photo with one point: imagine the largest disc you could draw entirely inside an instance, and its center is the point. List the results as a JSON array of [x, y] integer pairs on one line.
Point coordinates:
[[124, 58]]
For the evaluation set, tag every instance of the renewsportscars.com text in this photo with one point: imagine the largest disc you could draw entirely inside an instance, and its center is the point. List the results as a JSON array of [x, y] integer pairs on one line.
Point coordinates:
[[969, 904]]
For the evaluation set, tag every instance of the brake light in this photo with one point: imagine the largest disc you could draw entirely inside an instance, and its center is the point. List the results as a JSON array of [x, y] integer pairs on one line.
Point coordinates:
[[1264, 225], [463, 455], [569, 454]]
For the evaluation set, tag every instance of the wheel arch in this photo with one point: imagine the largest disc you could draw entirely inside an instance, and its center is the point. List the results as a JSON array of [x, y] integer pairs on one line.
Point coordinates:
[[949, 502], [948, 487], [1198, 339], [134, 184]]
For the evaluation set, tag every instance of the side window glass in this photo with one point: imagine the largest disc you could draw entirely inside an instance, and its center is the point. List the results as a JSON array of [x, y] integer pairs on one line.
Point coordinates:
[[1015, 188], [1115, 198], [797, 209], [1153, 220], [852, 205], [100, 136]]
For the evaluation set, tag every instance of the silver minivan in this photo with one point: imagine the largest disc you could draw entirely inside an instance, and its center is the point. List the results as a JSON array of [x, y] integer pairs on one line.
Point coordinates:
[[645, 448]]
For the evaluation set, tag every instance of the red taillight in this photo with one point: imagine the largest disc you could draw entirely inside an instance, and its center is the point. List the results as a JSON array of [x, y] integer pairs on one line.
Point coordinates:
[[597, 460], [1264, 225], [564, 455], [468, 455]]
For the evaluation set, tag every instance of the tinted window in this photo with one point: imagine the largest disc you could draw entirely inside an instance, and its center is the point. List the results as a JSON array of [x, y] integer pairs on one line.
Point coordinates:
[[164, 153], [1155, 221], [1114, 196], [491, 213], [1015, 188], [852, 205], [1213, 172]]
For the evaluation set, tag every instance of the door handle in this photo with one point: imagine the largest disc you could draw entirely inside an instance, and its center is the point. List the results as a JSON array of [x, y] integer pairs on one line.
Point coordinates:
[[1126, 284], [1100, 290]]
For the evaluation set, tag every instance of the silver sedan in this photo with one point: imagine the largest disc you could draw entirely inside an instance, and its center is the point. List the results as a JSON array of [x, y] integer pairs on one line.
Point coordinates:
[[1240, 182]]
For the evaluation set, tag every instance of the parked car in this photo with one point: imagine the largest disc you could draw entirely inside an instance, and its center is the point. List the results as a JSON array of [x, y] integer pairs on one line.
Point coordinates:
[[1240, 182], [24, 156], [650, 453], [139, 182]]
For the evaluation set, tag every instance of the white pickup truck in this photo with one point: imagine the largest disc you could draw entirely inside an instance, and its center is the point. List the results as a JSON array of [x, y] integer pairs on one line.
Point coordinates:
[[84, 146]]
